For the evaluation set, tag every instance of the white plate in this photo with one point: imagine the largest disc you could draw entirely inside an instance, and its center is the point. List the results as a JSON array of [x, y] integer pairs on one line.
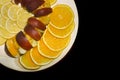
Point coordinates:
[[12, 62]]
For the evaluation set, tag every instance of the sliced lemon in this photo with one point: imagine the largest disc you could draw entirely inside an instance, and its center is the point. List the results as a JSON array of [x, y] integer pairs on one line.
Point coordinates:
[[62, 16], [52, 1], [4, 9], [2, 21], [54, 43], [12, 12], [5, 34], [44, 19], [38, 58], [27, 62], [61, 33], [12, 26], [4, 1], [45, 51], [22, 18]]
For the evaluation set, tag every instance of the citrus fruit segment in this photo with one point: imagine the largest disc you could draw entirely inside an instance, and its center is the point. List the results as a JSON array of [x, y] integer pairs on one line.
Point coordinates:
[[11, 26], [4, 1], [27, 62], [54, 43], [62, 16], [12, 12], [4, 9], [45, 51], [12, 50], [2, 40], [2, 21], [38, 58], [61, 33], [5, 34], [22, 18], [44, 19]]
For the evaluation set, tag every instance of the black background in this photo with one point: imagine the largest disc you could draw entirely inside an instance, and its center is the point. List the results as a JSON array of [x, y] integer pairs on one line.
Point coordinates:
[[71, 66]]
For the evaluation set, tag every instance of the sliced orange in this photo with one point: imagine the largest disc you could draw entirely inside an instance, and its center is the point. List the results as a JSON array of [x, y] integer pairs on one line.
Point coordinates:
[[37, 58], [54, 43], [62, 16], [13, 51], [2, 40], [45, 51], [61, 33], [26, 61]]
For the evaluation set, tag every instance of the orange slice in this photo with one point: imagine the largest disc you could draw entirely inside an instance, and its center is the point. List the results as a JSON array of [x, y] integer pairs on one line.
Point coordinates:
[[37, 58], [62, 16], [54, 43], [26, 61], [61, 33], [11, 48], [45, 51]]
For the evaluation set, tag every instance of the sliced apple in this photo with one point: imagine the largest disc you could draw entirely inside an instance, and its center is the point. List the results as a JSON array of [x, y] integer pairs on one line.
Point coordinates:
[[32, 32], [22, 41], [36, 23], [42, 12]]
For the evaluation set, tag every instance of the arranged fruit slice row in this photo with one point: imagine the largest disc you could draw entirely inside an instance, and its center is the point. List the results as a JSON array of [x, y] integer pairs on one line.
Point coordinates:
[[45, 51], [11, 49], [2, 40], [27, 62], [13, 12], [54, 43], [61, 33], [52, 1], [4, 1], [38, 58], [62, 16], [4, 9]]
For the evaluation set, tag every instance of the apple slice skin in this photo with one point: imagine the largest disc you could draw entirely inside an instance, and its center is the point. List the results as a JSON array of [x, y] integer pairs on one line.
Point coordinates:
[[22, 41], [32, 32], [42, 12], [36, 23]]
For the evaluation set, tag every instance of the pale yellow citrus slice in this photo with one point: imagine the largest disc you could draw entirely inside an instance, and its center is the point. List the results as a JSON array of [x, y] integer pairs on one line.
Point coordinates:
[[61, 33], [4, 1], [44, 19], [38, 58], [12, 50], [12, 12], [2, 21], [62, 16], [5, 34], [45, 51], [11, 26], [22, 18], [26, 61], [4, 9], [2, 40], [54, 43]]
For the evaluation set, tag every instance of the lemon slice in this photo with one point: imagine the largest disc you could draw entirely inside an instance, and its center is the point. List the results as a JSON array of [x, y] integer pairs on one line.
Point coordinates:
[[12, 12], [62, 16], [2, 21], [52, 1], [22, 18], [4, 1], [4, 9], [11, 26], [5, 34]]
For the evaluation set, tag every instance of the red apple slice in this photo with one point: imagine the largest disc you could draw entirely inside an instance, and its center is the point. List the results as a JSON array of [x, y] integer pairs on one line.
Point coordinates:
[[32, 32], [42, 12], [22, 41], [36, 23]]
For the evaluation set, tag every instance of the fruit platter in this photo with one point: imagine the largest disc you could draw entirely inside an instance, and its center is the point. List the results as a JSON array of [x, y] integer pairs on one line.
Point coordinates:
[[36, 34]]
